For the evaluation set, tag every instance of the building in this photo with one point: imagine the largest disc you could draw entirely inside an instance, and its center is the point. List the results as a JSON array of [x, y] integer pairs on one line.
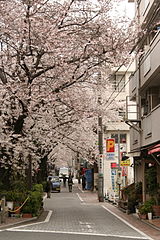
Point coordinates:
[[145, 92], [118, 174]]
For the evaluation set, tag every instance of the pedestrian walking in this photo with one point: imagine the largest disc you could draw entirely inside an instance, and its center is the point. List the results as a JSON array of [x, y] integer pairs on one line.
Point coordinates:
[[49, 187], [64, 180], [83, 182], [70, 183]]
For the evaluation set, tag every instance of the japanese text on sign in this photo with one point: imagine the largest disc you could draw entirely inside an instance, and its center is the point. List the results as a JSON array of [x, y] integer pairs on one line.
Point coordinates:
[[125, 163]]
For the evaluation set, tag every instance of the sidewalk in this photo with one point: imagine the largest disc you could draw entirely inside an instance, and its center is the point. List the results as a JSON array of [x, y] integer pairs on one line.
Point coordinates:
[[93, 197], [149, 227]]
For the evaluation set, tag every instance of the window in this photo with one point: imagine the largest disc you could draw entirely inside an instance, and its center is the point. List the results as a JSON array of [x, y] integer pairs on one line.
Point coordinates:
[[123, 137], [121, 113], [155, 97], [115, 136], [151, 100], [118, 82]]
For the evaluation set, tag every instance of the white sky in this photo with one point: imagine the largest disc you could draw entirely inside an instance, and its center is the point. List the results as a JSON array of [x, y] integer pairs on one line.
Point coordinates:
[[127, 8], [130, 8]]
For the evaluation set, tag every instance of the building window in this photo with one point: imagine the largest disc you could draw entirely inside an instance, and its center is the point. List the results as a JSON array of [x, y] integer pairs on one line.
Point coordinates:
[[118, 82], [121, 113], [151, 100], [155, 97], [123, 137]]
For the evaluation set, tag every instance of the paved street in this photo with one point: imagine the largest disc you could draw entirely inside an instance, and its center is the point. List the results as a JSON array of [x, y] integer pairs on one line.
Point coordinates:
[[70, 216]]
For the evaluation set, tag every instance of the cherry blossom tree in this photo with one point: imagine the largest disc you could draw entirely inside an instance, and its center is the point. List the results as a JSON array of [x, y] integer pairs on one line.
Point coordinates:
[[50, 54]]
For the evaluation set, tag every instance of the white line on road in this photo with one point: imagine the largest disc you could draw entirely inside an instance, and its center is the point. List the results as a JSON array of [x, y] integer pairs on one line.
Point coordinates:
[[78, 233], [80, 198], [80, 189], [82, 223], [48, 216], [88, 225], [142, 233]]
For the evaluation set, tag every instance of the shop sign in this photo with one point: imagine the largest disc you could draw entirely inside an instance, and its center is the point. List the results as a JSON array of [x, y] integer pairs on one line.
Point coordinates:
[[124, 171], [110, 145], [125, 163], [110, 149], [114, 165]]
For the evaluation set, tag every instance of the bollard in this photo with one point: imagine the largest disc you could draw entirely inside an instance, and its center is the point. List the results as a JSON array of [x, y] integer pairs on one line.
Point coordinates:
[[100, 188]]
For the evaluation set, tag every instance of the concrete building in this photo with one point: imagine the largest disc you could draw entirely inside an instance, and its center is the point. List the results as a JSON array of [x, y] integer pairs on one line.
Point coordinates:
[[144, 90], [117, 176]]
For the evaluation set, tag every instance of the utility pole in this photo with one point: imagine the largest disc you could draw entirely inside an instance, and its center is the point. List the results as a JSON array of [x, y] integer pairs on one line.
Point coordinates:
[[119, 167], [100, 167], [100, 140]]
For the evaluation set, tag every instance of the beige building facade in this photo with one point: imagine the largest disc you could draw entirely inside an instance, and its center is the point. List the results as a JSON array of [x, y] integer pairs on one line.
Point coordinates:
[[115, 175], [144, 90]]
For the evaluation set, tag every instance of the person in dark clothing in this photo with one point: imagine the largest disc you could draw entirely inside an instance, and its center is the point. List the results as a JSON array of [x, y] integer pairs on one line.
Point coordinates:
[[70, 183], [83, 182], [64, 180], [49, 187]]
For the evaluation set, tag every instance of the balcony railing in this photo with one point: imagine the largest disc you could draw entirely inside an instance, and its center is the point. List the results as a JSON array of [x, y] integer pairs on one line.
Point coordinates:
[[151, 127], [133, 85], [150, 63], [132, 110]]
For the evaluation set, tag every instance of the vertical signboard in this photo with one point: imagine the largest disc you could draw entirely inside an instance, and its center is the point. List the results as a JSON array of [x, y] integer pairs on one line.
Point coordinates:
[[110, 149], [100, 163]]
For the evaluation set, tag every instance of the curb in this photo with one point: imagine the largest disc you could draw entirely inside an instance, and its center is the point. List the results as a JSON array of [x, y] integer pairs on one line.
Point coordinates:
[[18, 223], [39, 218], [150, 224]]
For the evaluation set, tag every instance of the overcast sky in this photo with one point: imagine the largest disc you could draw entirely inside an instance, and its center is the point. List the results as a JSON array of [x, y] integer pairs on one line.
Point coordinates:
[[128, 8]]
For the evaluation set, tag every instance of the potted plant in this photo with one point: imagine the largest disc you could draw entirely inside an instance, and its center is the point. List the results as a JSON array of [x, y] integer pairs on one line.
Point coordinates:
[[27, 212], [144, 209], [152, 187], [142, 212]]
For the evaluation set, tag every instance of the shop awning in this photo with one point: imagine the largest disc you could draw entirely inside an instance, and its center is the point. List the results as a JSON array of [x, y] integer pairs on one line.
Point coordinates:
[[155, 149]]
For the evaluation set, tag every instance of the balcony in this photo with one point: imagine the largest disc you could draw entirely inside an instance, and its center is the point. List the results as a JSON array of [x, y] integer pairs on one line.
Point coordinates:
[[147, 10], [150, 64], [133, 85], [151, 127], [132, 117]]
